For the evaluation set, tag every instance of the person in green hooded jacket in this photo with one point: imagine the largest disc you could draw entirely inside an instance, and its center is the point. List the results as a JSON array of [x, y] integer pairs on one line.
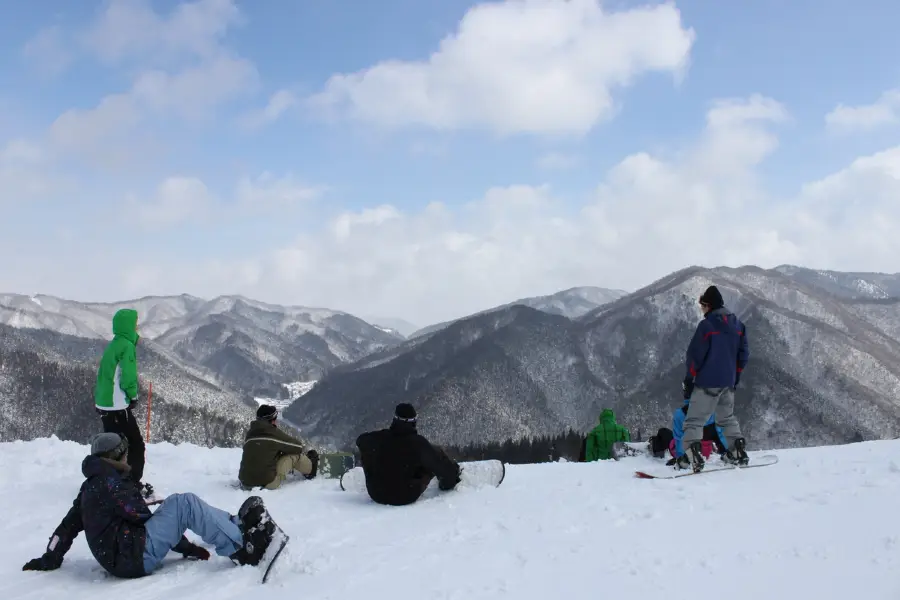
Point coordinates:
[[116, 391], [598, 443]]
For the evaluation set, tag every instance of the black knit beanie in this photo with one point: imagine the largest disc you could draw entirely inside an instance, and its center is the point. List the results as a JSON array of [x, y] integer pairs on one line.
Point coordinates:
[[712, 297], [405, 412], [266, 412]]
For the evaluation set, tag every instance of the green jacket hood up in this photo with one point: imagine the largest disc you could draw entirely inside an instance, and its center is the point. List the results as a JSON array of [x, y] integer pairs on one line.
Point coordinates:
[[598, 445], [117, 381]]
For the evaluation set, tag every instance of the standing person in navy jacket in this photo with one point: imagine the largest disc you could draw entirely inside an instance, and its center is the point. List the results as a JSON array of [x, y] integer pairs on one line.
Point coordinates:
[[716, 356]]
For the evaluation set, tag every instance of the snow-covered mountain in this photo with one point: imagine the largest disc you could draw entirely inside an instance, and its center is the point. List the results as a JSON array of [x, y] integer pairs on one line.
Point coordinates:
[[571, 303], [815, 525], [824, 369], [252, 347], [849, 285], [401, 326]]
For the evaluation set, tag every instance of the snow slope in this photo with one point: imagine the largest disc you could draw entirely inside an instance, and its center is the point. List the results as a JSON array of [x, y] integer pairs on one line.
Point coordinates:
[[820, 524]]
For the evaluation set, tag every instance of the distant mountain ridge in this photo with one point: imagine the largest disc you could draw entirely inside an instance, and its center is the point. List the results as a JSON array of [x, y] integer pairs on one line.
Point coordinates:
[[252, 347], [570, 303], [859, 285], [824, 369], [824, 365]]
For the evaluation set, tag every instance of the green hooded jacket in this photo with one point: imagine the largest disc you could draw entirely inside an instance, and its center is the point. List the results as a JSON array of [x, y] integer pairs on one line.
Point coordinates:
[[117, 382], [598, 445]]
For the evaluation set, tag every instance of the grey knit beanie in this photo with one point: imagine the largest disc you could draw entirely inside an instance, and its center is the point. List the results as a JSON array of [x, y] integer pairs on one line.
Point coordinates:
[[111, 445]]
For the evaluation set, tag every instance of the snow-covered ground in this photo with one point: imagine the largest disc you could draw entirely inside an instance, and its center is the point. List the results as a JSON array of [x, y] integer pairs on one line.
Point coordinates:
[[820, 524]]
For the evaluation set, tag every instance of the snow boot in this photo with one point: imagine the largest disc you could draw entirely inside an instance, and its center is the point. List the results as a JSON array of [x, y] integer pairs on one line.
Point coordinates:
[[737, 455], [313, 457], [682, 462], [694, 453], [257, 528], [146, 490]]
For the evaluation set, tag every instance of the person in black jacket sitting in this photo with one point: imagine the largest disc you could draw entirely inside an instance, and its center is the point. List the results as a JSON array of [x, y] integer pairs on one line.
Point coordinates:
[[399, 463], [130, 541]]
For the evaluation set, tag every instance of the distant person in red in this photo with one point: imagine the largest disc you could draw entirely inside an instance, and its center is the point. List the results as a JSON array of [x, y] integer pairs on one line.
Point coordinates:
[[716, 356]]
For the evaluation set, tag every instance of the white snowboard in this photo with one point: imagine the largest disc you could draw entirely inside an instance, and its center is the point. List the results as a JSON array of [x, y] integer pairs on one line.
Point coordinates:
[[475, 474]]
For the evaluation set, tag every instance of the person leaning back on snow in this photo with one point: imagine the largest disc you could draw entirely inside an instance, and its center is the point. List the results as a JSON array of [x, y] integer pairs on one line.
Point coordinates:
[[399, 463], [116, 390], [716, 356], [130, 541], [270, 455]]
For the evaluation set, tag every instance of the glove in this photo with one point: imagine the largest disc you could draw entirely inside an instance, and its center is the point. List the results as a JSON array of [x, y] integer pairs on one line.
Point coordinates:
[[197, 552], [133, 402], [189, 550], [47, 562], [687, 387]]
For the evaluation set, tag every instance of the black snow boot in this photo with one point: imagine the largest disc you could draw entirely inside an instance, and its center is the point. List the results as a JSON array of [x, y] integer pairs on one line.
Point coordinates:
[[694, 452], [737, 455], [313, 457], [257, 528], [146, 490]]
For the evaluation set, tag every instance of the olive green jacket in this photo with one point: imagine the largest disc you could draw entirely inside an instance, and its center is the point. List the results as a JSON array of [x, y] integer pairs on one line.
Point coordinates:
[[264, 444]]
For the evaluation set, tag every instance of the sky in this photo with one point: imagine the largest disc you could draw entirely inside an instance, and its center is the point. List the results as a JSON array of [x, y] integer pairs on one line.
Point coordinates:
[[427, 160]]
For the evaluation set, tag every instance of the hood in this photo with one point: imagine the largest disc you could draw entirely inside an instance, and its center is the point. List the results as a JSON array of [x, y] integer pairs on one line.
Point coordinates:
[[95, 465], [124, 324], [607, 416], [718, 312]]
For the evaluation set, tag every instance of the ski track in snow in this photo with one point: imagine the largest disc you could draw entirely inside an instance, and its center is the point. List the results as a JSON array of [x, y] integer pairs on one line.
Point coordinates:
[[820, 524]]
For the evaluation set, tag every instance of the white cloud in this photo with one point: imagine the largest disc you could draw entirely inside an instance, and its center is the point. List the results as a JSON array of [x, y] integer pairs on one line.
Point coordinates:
[[187, 200], [279, 103], [649, 216], [177, 200], [130, 30], [23, 175], [533, 66], [885, 111], [553, 161], [47, 50], [179, 69], [268, 192]]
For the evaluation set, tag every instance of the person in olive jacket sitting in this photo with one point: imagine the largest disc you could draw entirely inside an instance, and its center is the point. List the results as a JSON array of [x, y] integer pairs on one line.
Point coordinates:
[[270, 454]]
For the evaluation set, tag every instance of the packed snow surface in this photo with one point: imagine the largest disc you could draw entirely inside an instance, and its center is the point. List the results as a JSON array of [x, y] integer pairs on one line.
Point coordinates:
[[820, 524]]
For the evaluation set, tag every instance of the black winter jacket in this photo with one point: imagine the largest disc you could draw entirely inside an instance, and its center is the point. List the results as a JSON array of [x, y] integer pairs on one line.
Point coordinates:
[[397, 461], [110, 510]]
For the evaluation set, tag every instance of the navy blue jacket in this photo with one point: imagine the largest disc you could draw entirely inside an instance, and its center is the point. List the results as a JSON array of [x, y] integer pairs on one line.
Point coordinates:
[[110, 510], [718, 350]]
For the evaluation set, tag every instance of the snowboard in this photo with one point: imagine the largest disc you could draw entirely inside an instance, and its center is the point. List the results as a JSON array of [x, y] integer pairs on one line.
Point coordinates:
[[759, 461], [474, 474], [279, 540], [334, 464]]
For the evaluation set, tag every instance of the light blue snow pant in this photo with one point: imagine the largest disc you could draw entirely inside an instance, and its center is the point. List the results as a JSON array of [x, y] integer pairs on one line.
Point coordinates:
[[180, 512]]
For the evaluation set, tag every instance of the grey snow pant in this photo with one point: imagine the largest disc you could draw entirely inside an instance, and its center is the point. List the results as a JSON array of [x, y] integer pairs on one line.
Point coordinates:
[[705, 402]]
